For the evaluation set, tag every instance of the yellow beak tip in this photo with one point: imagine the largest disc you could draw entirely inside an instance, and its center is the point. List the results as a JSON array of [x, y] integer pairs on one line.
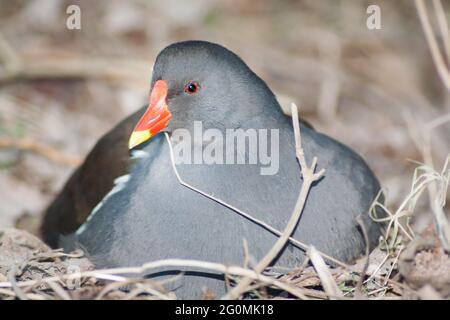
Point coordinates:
[[138, 137]]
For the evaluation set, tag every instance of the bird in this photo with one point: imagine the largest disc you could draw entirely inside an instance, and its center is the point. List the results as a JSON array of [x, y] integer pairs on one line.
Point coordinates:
[[126, 205]]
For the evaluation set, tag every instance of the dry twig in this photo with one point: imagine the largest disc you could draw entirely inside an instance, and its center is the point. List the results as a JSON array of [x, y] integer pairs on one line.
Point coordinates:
[[432, 42], [309, 177], [46, 151], [246, 215], [358, 292], [110, 273], [443, 26], [51, 66], [427, 178], [328, 283]]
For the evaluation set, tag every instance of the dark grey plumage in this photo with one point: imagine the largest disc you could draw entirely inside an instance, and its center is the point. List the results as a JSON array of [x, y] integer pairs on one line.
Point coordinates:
[[151, 216]]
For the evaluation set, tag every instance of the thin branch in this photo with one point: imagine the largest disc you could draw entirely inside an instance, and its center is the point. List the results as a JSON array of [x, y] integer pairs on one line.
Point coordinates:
[[110, 70], [243, 213], [9, 57], [328, 283], [59, 290], [69, 66], [101, 274], [394, 263], [46, 151], [432, 43], [309, 177], [117, 285], [435, 183], [15, 286], [443, 26], [358, 287]]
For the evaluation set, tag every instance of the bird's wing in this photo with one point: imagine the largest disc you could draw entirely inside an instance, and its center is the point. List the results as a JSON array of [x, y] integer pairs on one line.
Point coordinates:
[[88, 185]]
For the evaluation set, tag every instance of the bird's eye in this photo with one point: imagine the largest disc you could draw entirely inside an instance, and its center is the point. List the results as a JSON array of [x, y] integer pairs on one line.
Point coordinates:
[[192, 87]]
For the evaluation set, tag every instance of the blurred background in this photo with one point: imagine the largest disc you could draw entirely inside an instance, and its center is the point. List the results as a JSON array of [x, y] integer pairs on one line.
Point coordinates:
[[61, 89]]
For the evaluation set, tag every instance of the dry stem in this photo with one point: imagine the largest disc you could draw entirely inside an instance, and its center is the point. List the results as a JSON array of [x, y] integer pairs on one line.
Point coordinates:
[[432, 42], [46, 151], [107, 273], [309, 177]]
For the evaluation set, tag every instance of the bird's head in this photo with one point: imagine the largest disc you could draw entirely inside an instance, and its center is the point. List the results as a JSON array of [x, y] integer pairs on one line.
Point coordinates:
[[200, 81]]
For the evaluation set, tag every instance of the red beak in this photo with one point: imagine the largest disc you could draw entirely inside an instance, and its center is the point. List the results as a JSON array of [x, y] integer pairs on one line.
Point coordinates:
[[155, 117]]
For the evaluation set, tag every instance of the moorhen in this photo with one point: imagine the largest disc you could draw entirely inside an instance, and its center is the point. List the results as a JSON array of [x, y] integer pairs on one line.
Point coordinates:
[[204, 92]]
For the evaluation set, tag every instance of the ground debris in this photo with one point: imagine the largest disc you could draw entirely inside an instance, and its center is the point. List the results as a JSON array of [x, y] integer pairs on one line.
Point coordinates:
[[425, 265], [25, 257], [420, 271]]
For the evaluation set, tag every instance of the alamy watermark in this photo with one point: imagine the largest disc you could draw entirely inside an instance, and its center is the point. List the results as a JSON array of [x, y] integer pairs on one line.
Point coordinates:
[[235, 146], [73, 21], [373, 21]]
